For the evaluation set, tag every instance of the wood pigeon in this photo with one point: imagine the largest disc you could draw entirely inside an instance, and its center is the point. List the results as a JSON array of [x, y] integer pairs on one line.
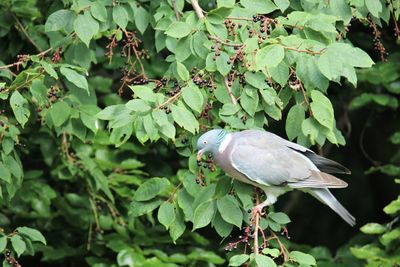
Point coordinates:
[[275, 165]]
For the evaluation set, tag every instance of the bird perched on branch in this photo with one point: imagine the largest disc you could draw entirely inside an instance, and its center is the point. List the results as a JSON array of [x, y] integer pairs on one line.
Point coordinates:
[[275, 165]]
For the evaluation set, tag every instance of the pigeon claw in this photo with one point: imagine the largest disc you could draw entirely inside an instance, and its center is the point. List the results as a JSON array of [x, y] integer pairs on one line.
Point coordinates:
[[258, 210]]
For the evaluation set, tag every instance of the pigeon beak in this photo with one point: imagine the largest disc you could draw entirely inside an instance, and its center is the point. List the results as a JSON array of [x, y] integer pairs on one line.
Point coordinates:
[[199, 155]]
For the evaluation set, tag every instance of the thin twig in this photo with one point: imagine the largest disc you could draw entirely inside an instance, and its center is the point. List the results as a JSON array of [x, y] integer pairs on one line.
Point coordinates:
[[21, 27], [177, 15], [308, 51], [197, 9], [229, 89], [16, 64], [223, 42]]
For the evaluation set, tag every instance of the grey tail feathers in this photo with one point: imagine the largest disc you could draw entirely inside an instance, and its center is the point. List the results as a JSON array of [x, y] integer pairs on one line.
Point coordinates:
[[326, 197]]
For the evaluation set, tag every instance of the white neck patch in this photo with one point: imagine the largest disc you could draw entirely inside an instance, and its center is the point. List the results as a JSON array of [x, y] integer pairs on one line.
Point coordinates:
[[225, 143]]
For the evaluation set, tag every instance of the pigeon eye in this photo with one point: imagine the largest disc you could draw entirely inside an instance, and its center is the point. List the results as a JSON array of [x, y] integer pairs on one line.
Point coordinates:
[[205, 142]]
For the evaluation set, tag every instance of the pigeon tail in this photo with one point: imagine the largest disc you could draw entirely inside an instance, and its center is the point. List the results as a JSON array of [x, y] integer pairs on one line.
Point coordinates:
[[326, 197]]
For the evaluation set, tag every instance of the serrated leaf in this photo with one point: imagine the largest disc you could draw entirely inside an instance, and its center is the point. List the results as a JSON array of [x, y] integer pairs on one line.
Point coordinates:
[[59, 113], [279, 217], [185, 118], [18, 103], [142, 19], [178, 29], [150, 189], [203, 214], [182, 71], [120, 16], [259, 7], [322, 109], [58, 20], [373, 229], [166, 214], [32, 234], [302, 258], [238, 260], [269, 56], [86, 27], [295, 118], [99, 11], [74, 77], [193, 98], [230, 211], [264, 261], [3, 243], [18, 244]]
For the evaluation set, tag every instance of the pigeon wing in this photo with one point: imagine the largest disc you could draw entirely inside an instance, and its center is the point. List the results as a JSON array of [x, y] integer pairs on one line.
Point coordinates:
[[267, 159]]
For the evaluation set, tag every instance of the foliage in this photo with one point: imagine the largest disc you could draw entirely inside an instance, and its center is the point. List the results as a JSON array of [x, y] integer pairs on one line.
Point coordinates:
[[103, 106]]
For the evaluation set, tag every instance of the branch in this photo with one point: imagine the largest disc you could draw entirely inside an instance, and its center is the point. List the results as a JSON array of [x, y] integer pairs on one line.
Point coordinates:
[[20, 62], [177, 15], [197, 9], [21, 27], [229, 89], [223, 42], [257, 226], [308, 51]]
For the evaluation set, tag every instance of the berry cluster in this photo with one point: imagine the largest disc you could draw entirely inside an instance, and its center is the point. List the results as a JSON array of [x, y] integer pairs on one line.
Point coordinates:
[[11, 260], [175, 90], [232, 27], [200, 80], [378, 45], [206, 110], [244, 239]]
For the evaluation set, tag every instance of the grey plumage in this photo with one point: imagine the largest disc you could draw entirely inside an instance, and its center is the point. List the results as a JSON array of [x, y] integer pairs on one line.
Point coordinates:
[[276, 165]]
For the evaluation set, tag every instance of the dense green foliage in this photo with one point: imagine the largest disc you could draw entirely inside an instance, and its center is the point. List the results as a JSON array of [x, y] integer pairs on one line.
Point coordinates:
[[102, 101]]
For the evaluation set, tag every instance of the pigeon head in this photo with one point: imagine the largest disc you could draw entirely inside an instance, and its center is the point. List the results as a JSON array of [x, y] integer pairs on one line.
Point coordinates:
[[210, 141]]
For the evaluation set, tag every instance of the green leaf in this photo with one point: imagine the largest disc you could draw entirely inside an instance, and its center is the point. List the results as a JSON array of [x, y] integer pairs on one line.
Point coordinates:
[[5, 174], [150, 189], [75, 78], [259, 7], [144, 92], [139, 208], [49, 69], [185, 118], [374, 7], [225, 3], [99, 11], [203, 214], [178, 227], [142, 19], [230, 211], [249, 100], [322, 109], [193, 98], [3, 243], [330, 64], [120, 16], [222, 63], [269, 56], [295, 118], [282, 4], [389, 237], [302, 258], [58, 20], [373, 229], [238, 260], [279, 217], [166, 214], [182, 71], [309, 128], [393, 208], [138, 105], [59, 113], [271, 251], [18, 102], [178, 29], [264, 261], [32, 234], [86, 27], [18, 244]]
